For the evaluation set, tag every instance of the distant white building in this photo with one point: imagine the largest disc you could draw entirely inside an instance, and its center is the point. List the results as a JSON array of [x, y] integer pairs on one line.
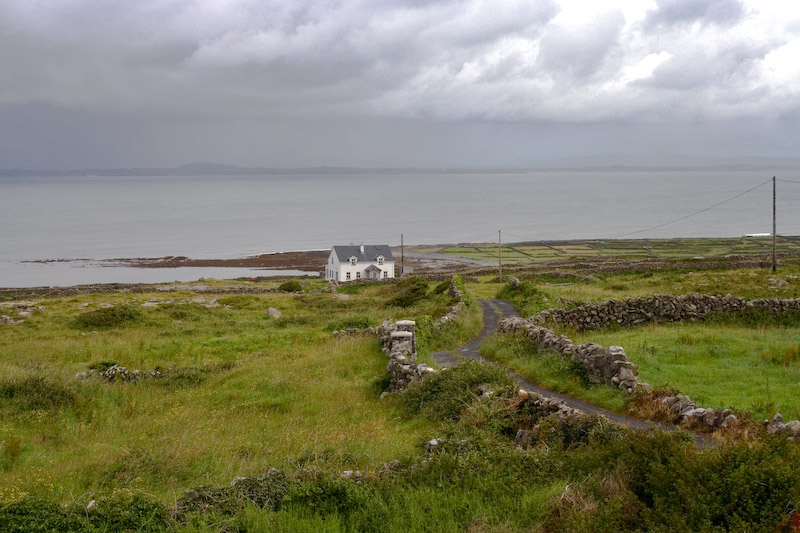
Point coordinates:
[[349, 263]]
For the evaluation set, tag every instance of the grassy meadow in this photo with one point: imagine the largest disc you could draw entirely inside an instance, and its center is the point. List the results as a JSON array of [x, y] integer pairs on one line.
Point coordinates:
[[678, 248], [749, 362], [241, 393]]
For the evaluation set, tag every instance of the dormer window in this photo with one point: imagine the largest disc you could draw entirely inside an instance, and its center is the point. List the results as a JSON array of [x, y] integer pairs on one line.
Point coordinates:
[[380, 259], [353, 260]]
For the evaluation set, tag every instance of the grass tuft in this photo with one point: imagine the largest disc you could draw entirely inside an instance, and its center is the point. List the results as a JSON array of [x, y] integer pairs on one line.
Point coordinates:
[[111, 317], [35, 392]]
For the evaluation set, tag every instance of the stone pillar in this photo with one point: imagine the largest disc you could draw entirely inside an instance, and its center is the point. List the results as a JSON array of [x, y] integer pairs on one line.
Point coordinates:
[[399, 337], [408, 325]]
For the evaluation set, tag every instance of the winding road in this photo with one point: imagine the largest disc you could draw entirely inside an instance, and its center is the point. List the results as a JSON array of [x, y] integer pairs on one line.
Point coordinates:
[[496, 310]]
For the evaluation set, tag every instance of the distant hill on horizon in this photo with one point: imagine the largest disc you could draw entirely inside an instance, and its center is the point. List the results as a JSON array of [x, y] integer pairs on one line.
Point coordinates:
[[578, 164]]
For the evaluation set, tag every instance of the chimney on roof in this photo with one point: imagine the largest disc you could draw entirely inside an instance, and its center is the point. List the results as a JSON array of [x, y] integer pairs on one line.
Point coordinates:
[[362, 248]]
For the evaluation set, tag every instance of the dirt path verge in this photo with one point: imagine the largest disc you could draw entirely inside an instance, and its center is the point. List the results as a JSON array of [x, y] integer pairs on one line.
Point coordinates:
[[493, 312]]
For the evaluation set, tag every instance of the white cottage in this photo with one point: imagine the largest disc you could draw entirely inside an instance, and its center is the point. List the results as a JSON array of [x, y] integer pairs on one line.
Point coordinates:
[[347, 263]]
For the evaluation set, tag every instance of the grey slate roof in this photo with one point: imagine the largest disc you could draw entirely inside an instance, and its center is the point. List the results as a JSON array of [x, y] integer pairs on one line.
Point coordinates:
[[371, 252]]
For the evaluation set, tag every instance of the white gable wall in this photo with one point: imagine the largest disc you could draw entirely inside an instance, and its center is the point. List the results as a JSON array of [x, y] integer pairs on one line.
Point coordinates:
[[387, 266], [334, 267]]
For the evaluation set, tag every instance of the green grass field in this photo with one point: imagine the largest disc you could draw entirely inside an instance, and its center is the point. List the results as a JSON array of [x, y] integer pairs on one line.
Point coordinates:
[[247, 392], [680, 248], [243, 393], [747, 363], [755, 369]]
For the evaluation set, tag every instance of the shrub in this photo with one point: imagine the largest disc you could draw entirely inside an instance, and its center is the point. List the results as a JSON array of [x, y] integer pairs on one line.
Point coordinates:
[[110, 317], [458, 281], [332, 496], [32, 515], [423, 332], [290, 286], [265, 491], [442, 287], [124, 511], [128, 511], [446, 394], [409, 292], [36, 392], [524, 296]]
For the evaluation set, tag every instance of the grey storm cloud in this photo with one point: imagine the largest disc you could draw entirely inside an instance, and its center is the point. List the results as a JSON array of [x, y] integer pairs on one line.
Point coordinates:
[[723, 12], [248, 66]]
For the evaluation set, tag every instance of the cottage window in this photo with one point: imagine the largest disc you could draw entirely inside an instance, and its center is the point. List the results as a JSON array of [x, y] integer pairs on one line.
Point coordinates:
[[380, 259], [358, 275], [385, 274], [348, 275], [353, 261]]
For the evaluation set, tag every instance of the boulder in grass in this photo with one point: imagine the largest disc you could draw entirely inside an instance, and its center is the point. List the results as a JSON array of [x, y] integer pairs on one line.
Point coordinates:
[[273, 313]]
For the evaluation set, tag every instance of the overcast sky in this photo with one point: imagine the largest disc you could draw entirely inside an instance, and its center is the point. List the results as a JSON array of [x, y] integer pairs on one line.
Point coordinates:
[[116, 83]]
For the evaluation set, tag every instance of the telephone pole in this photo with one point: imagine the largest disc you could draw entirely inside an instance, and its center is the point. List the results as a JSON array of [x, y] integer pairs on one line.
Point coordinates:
[[774, 235], [500, 255], [402, 256]]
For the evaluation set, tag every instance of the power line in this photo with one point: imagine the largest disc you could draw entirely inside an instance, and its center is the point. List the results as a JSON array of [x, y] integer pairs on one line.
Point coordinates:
[[789, 181], [692, 214]]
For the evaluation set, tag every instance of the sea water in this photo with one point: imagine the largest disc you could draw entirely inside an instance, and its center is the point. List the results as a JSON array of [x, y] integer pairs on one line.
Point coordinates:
[[43, 218]]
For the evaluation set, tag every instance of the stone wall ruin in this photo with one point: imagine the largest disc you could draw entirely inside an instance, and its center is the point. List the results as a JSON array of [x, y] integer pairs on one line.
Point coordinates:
[[632, 312], [611, 366]]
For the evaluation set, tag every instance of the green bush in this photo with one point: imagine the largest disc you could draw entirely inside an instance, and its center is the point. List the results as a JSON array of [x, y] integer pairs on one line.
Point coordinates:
[[128, 511], [290, 286], [528, 299], [332, 496], [409, 291], [32, 515], [423, 332], [458, 281], [446, 394], [35, 392], [266, 491], [110, 317], [442, 287], [125, 511]]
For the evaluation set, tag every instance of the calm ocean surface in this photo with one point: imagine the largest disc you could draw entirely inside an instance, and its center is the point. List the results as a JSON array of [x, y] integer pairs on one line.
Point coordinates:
[[236, 216]]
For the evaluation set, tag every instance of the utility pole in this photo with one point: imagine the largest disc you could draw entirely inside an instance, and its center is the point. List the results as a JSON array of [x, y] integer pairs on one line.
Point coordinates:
[[402, 256], [774, 235], [499, 255]]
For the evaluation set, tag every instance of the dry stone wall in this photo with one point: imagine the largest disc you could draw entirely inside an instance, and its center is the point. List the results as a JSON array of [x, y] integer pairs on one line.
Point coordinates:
[[658, 308], [611, 365], [398, 345], [603, 365], [403, 369], [455, 311]]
